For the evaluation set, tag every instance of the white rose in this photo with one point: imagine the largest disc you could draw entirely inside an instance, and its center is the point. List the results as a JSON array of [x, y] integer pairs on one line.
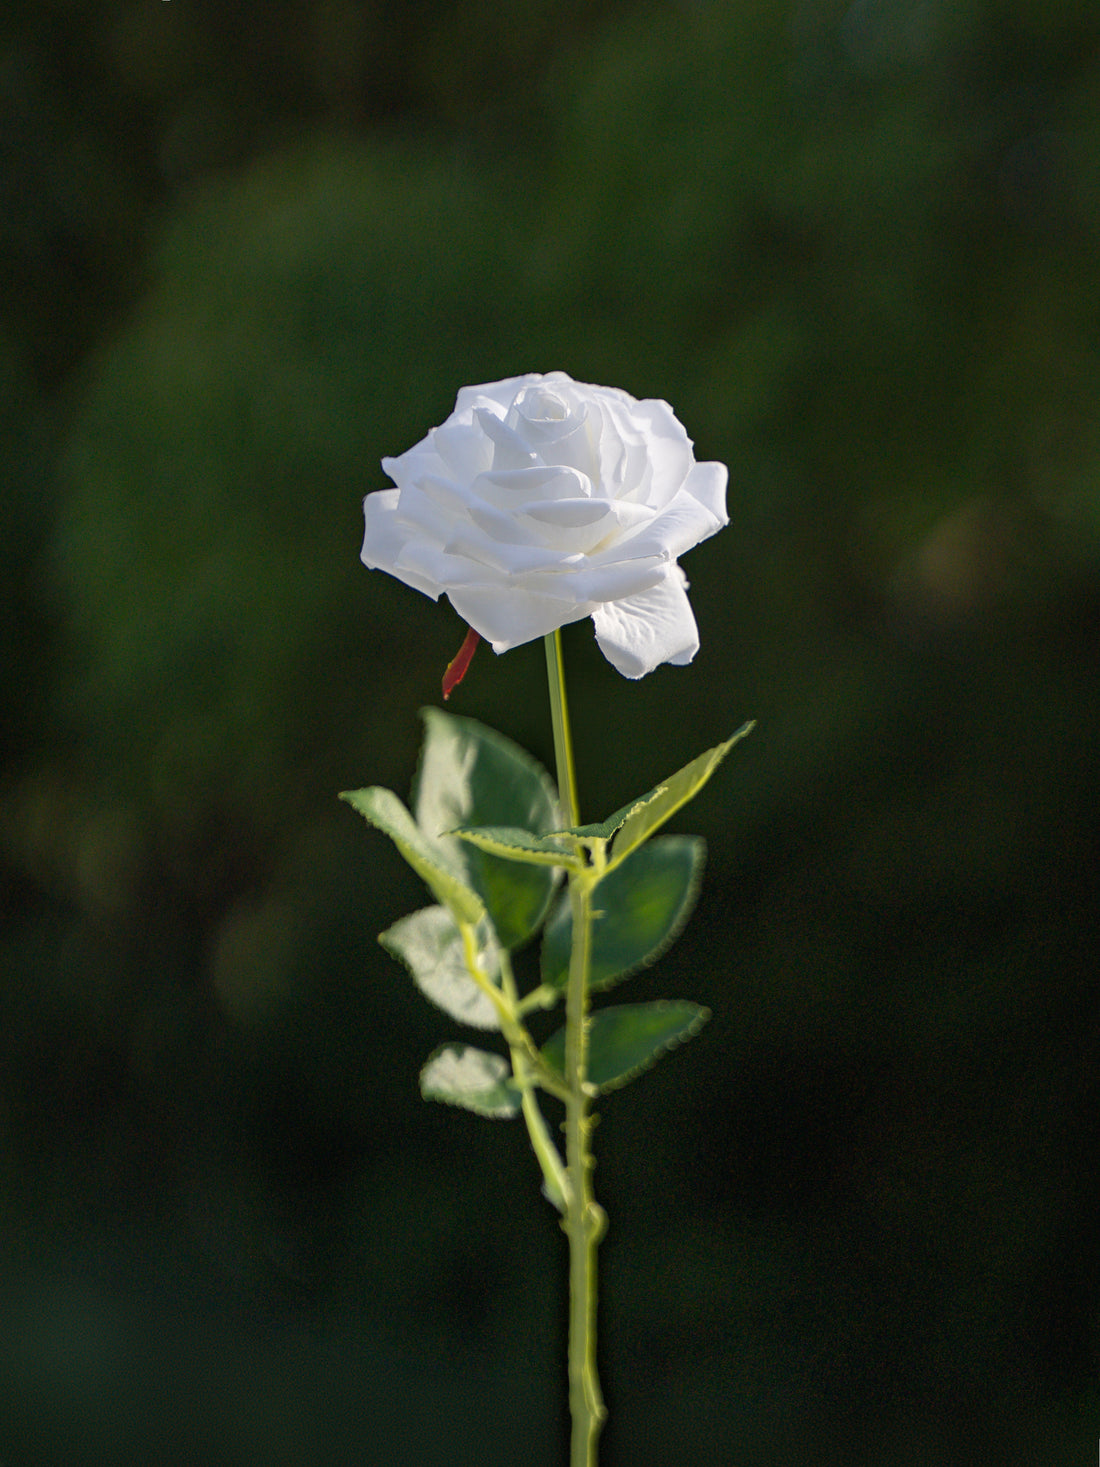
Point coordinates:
[[541, 501]]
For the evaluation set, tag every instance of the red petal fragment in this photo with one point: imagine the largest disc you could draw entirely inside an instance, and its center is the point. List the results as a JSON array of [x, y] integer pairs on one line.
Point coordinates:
[[456, 668]]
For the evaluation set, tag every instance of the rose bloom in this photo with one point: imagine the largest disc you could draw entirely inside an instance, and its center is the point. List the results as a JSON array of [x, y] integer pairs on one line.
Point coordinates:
[[541, 501]]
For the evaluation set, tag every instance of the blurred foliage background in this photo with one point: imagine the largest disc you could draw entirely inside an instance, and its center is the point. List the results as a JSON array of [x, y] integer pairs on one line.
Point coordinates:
[[247, 251]]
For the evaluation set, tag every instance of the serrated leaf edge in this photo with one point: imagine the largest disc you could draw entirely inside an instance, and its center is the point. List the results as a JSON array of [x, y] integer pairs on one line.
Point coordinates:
[[493, 839], [716, 756], [700, 1017], [698, 860], [455, 1098], [472, 909], [394, 951]]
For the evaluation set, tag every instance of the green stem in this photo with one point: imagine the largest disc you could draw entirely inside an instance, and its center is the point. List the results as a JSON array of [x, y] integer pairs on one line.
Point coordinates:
[[584, 1221], [555, 1180], [563, 738]]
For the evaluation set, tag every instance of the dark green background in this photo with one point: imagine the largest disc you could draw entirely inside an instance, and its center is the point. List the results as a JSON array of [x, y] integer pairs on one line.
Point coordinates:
[[247, 251]]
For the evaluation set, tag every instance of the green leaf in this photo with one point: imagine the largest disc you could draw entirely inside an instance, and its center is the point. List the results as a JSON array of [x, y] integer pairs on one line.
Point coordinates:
[[629, 1038], [519, 845], [641, 909], [605, 829], [430, 945], [669, 796], [429, 859], [472, 1078], [470, 775]]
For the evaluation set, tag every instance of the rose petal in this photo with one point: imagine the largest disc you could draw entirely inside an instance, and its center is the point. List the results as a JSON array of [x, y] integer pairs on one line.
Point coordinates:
[[432, 500], [666, 458], [462, 448], [509, 561], [503, 528], [576, 577], [638, 634], [508, 450], [682, 524], [440, 566], [518, 618], [493, 394], [707, 482], [568, 514], [512, 488], [557, 429], [384, 543]]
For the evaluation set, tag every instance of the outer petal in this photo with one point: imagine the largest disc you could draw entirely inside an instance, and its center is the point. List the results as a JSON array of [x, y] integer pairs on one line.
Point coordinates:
[[507, 619], [666, 456], [670, 533], [464, 448], [707, 483], [594, 585], [640, 633], [384, 540], [416, 461]]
